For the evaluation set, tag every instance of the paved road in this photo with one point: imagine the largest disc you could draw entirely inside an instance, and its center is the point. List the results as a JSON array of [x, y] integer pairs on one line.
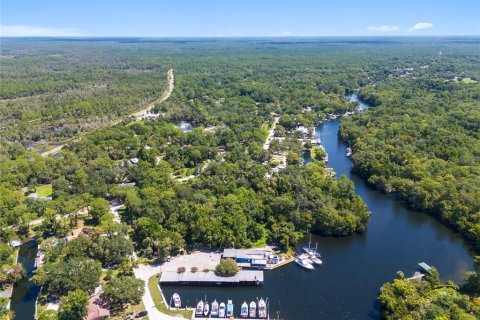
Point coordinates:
[[137, 114], [201, 260], [266, 145]]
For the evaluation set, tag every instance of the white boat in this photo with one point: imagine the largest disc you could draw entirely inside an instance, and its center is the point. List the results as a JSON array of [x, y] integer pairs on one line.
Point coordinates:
[[253, 310], [199, 309], [221, 310], [316, 260], [244, 310], [214, 312], [176, 300], [310, 251], [206, 309], [306, 258], [349, 152], [262, 308], [304, 264], [229, 308]]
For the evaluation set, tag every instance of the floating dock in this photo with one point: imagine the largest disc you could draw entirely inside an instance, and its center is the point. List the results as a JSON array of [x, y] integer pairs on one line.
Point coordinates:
[[243, 277]]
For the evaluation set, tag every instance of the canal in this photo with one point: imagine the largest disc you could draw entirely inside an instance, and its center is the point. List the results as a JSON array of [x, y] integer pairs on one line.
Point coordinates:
[[25, 292], [355, 267]]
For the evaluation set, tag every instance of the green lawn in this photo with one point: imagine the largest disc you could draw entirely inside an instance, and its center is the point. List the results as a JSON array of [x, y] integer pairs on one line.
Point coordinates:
[[468, 80], [157, 298], [44, 190]]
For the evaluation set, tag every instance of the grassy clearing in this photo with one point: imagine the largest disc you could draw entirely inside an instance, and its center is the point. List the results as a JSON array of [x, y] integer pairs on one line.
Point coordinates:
[[44, 190], [130, 310], [262, 242], [468, 80], [157, 298]]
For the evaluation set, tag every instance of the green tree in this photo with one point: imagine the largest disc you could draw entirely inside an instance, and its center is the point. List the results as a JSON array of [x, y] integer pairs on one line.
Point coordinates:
[[122, 290], [98, 208], [48, 315], [226, 268], [73, 306]]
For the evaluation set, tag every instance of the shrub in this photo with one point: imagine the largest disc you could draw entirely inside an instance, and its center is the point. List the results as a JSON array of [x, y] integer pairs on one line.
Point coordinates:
[[194, 269], [181, 269]]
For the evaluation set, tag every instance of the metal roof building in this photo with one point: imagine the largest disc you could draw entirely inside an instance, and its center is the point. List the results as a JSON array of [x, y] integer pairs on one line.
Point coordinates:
[[254, 277]]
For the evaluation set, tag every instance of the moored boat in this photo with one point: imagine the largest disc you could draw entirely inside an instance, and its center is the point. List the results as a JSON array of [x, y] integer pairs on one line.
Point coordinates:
[[262, 308], [177, 302], [214, 311], [221, 310], [199, 309], [310, 251], [349, 152], [229, 308], [253, 310], [244, 310], [304, 264], [316, 260], [206, 309]]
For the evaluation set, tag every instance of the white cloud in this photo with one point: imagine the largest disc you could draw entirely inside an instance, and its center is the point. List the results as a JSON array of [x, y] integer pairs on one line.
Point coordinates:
[[421, 26], [383, 29], [35, 31], [283, 34]]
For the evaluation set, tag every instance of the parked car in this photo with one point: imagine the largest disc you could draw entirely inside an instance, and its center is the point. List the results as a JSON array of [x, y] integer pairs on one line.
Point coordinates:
[[141, 314]]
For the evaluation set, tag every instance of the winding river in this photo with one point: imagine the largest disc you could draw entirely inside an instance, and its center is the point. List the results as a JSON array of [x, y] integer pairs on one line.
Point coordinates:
[[25, 292], [355, 267]]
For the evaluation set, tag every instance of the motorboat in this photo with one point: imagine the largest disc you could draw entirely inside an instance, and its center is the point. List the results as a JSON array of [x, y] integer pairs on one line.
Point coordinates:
[[244, 310], [262, 308], [349, 152], [304, 264], [253, 310], [229, 308], [305, 257], [199, 309], [214, 311], [221, 310], [316, 260], [206, 309], [177, 302]]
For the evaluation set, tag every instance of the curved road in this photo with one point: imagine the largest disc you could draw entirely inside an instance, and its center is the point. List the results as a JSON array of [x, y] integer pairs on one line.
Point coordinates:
[[137, 114]]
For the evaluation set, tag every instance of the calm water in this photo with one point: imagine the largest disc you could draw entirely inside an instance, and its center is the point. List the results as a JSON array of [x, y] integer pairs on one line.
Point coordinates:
[[25, 292], [355, 267]]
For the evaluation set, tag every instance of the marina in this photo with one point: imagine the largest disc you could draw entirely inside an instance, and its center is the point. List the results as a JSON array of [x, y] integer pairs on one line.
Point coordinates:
[[257, 309]]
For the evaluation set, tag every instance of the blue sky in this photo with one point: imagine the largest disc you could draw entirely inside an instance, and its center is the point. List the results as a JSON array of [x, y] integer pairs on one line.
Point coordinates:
[[241, 18]]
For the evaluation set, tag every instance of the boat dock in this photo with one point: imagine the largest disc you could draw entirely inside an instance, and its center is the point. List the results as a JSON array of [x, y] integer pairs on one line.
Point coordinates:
[[243, 277], [231, 318]]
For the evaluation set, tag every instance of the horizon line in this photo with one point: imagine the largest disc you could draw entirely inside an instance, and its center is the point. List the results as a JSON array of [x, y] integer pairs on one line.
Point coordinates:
[[242, 37]]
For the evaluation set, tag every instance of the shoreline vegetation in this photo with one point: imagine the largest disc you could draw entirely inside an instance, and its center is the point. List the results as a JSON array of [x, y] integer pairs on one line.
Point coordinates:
[[429, 157]]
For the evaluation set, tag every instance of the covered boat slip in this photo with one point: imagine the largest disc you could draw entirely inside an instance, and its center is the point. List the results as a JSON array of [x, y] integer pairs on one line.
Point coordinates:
[[243, 277]]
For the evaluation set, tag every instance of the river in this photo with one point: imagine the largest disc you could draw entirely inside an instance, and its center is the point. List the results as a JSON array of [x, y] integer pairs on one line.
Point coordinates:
[[25, 292], [355, 267]]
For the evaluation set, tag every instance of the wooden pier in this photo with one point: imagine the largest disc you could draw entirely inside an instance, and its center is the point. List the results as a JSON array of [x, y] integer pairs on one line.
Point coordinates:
[[280, 264]]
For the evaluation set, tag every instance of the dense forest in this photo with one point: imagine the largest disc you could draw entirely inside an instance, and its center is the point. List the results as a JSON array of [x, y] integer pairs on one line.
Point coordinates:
[[430, 298], [202, 172], [422, 141]]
